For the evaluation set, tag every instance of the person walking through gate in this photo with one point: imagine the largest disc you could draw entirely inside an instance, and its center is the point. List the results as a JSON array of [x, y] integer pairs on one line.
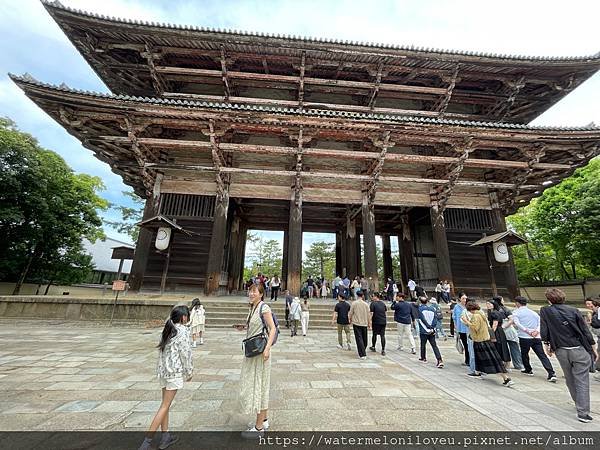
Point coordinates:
[[275, 283], [288, 302], [295, 316], [487, 359], [565, 333], [411, 288], [496, 317], [340, 316], [304, 316], [459, 326], [528, 326], [594, 320], [359, 318], [404, 321], [378, 321], [197, 321], [427, 324], [336, 285], [310, 284]]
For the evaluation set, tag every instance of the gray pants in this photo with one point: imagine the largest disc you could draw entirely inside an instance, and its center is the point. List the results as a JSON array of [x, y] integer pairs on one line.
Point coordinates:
[[575, 364]]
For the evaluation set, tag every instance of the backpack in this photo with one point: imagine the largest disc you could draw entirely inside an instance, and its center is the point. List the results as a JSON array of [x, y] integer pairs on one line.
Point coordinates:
[[275, 322]]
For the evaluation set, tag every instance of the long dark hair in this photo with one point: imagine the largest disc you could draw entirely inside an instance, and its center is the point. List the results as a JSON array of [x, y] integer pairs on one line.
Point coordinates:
[[196, 302], [170, 331]]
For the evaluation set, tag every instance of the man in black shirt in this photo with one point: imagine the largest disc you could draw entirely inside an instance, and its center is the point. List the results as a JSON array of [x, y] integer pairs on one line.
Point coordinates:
[[564, 332], [378, 321], [340, 315]]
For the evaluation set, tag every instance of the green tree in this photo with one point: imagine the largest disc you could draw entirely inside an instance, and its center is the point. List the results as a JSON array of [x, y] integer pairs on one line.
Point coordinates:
[[319, 261], [131, 215], [45, 208], [563, 230], [265, 256]]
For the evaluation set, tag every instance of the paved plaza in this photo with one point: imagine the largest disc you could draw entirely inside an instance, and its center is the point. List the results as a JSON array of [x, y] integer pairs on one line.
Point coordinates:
[[83, 376]]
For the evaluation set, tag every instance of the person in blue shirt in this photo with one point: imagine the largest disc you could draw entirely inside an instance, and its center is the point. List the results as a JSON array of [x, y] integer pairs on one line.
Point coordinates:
[[459, 327], [404, 321], [427, 325]]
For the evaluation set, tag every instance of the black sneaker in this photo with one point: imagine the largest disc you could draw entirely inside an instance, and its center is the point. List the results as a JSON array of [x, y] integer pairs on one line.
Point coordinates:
[[552, 378], [372, 349], [585, 419], [508, 382], [527, 372], [383, 353], [474, 375]]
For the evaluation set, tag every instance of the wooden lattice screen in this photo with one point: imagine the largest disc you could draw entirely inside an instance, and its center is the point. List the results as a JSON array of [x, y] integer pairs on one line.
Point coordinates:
[[187, 205], [467, 219]]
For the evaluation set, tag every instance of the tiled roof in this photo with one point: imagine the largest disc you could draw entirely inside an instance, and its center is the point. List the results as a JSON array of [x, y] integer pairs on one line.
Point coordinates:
[[59, 6], [29, 80]]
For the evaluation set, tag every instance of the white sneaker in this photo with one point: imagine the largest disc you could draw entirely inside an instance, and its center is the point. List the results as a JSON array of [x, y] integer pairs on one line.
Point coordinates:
[[399, 348], [253, 433], [194, 344], [348, 347], [340, 347], [265, 424], [363, 357]]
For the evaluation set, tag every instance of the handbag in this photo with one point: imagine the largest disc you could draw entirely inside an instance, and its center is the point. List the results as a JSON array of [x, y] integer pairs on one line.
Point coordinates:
[[254, 345], [460, 348]]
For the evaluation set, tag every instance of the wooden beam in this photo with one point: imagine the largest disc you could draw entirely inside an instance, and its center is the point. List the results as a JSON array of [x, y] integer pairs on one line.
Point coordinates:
[[301, 82], [502, 108], [224, 74], [377, 168], [443, 103], [454, 173], [151, 56], [329, 153], [337, 176], [533, 155], [375, 90], [295, 80]]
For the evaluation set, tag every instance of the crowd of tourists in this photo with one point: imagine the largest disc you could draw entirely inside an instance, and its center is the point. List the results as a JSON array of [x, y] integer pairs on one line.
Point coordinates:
[[498, 341]]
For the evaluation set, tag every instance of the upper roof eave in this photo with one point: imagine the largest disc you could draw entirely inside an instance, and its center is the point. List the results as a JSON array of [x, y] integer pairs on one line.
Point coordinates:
[[55, 7], [27, 80]]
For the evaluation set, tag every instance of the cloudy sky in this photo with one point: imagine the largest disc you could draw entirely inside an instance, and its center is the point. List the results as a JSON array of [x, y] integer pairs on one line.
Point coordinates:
[[31, 42]]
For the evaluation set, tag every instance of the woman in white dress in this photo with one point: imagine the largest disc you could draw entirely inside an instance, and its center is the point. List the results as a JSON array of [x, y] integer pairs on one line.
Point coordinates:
[[255, 377], [324, 288]]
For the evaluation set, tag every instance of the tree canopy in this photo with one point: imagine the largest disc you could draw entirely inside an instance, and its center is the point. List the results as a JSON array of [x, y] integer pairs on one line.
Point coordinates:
[[265, 256], [319, 261], [45, 211], [563, 230], [131, 215]]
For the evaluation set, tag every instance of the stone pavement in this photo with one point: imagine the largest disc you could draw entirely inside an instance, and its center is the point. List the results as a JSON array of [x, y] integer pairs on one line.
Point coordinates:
[[82, 376]]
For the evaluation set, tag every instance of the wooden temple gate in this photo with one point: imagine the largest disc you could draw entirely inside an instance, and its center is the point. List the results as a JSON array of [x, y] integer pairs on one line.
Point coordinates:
[[225, 132]]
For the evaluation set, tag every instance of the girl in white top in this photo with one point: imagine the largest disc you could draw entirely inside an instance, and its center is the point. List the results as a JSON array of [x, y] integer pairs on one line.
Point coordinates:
[[175, 364], [324, 288], [197, 321], [275, 283]]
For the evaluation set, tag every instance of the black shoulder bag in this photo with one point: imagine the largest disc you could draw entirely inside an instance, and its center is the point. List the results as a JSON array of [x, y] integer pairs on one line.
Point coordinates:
[[254, 345], [580, 337]]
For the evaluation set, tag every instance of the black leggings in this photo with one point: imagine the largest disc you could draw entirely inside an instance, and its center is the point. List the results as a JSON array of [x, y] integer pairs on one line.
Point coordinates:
[[378, 330], [463, 339], [274, 292]]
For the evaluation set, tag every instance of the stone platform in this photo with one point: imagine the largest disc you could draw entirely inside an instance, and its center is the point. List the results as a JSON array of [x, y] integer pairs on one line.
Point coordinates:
[[57, 375]]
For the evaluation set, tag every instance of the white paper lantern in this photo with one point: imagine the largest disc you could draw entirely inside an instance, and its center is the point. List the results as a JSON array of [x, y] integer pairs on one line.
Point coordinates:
[[501, 251], [163, 236]]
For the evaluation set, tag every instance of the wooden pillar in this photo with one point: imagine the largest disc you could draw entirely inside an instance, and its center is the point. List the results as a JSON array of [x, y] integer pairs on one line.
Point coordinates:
[[294, 248], [344, 252], [284, 261], [338, 253], [145, 244], [388, 268], [440, 243], [406, 249], [242, 260], [233, 265], [217, 244], [368, 225], [351, 250], [359, 253], [510, 272]]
